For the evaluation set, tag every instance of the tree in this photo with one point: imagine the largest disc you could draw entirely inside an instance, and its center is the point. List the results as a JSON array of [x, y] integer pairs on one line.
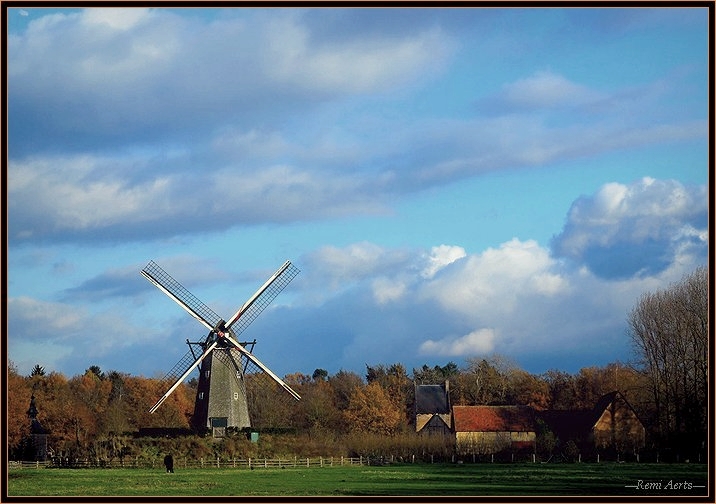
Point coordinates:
[[435, 375], [669, 333], [344, 383], [320, 374], [95, 370], [485, 381], [397, 385], [371, 410], [562, 389], [18, 399], [37, 371], [527, 389], [316, 410]]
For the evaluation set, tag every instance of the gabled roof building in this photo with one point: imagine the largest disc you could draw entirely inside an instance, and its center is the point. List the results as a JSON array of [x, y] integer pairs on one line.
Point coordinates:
[[432, 409], [491, 429]]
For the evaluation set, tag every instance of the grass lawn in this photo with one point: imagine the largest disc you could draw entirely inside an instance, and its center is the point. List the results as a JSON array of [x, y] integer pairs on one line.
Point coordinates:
[[399, 479]]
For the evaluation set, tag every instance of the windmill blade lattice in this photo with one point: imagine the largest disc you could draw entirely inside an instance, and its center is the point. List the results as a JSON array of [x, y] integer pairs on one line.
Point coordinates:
[[182, 365], [189, 302], [269, 405], [232, 380], [264, 299]]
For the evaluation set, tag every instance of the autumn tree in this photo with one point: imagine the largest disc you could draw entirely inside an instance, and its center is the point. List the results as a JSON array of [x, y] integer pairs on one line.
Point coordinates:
[[317, 409], [371, 410], [562, 389], [344, 384], [527, 389], [397, 385], [18, 400]]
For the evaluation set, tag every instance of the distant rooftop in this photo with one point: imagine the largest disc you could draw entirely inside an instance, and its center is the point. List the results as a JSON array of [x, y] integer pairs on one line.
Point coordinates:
[[431, 399]]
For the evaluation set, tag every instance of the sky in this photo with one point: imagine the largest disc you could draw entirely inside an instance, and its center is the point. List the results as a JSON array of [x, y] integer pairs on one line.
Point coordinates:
[[452, 183]]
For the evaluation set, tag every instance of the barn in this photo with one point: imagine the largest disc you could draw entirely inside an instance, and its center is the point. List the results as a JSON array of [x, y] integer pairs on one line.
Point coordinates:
[[617, 425], [611, 426], [432, 409], [492, 429]]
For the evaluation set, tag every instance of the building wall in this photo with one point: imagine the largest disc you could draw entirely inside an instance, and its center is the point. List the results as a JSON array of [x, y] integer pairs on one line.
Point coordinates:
[[492, 442], [422, 420], [620, 428]]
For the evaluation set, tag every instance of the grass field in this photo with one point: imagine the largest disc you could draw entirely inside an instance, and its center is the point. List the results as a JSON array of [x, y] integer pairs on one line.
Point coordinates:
[[606, 479]]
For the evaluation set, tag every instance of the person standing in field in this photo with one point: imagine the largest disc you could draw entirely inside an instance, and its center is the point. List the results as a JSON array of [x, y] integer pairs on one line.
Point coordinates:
[[169, 463]]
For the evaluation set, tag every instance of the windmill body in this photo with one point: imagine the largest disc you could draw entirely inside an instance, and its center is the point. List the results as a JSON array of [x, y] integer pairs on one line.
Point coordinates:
[[221, 393], [221, 399]]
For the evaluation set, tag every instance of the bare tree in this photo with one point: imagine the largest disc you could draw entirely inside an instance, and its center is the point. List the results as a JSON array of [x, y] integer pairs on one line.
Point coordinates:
[[669, 332]]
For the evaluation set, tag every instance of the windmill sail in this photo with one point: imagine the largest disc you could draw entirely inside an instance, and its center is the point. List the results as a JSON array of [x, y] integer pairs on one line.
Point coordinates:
[[262, 298], [178, 293], [222, 392], [183, 376], [266, 370]]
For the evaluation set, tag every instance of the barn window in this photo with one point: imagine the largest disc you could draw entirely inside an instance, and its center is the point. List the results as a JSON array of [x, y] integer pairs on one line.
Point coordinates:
[[201, 395]]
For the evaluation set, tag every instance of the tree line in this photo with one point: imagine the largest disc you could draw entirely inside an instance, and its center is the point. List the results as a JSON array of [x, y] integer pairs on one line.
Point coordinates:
[[666, 383]]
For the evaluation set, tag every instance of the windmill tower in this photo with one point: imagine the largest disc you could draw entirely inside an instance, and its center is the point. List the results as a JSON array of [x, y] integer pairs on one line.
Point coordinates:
[[226, 366]]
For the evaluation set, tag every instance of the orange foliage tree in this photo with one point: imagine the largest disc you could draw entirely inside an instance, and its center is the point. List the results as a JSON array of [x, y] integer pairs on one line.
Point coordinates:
[[370, 409]]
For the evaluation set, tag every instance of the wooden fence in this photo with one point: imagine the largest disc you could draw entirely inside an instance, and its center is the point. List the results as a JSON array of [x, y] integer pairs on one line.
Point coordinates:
[[184, 463]]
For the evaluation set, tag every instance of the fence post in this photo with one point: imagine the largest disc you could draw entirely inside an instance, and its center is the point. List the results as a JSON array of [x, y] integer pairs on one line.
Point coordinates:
[[307, 462], [360, 459], [265, 463], [321, 461], [249, 462], [341, 459]]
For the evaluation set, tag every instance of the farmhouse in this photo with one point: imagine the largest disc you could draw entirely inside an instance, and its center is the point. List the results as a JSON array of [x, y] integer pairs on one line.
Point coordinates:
[[611, 425], [491, 429], [432, 409]]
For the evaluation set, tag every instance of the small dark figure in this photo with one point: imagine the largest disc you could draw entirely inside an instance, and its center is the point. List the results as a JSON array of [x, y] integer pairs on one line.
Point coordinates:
[[169, 463]]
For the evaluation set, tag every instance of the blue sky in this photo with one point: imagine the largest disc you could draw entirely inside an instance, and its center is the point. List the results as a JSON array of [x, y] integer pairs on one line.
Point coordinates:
[[452, 183]]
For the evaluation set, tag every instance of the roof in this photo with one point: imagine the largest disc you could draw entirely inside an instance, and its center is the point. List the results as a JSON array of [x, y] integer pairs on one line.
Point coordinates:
[[571, 424], [493, 419], [431, 399], [568, 424]]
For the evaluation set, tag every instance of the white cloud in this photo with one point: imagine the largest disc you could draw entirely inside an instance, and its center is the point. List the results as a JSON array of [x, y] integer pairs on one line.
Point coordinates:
[[356, 66], [635, 228], [478, 342], [495, 280], [116, 18], [77, 193], [386, 290], [57, 332], [547, 89], [440, 257]]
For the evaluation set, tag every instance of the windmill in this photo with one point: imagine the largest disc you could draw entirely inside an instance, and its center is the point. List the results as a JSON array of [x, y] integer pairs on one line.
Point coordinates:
[[225, 364]]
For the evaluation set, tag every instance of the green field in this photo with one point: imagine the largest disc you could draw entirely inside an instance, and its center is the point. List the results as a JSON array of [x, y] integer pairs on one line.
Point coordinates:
[[398, 479]]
